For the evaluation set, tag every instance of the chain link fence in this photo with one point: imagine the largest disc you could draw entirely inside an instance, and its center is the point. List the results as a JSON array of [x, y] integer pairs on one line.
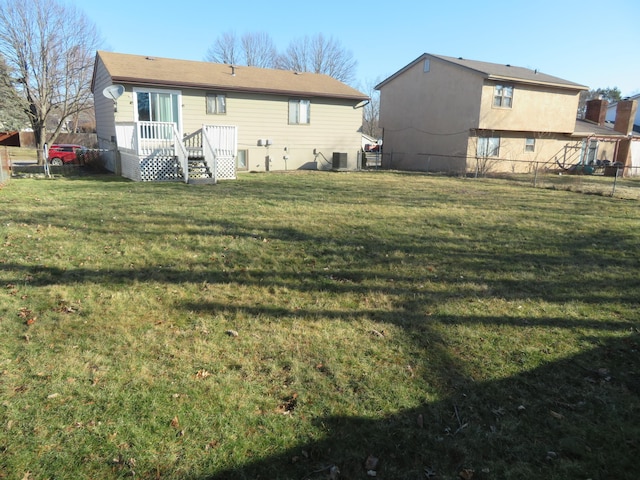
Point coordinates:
[[601, 178]]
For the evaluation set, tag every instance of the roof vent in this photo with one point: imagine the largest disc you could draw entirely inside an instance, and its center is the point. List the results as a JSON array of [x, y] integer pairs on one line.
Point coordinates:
[[508, 65], [149, 58], [233, 70]]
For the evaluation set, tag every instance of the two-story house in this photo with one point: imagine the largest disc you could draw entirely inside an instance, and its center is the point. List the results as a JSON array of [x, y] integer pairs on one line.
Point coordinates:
[[456, 115], [170, 119]]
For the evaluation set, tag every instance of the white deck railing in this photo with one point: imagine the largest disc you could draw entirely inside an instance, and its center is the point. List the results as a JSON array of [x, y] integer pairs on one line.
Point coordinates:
[[220, 143], [153, 139]]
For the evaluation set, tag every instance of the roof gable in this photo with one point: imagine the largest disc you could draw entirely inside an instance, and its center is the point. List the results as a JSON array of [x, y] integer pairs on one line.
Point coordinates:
[[494, 71], [141, 70]]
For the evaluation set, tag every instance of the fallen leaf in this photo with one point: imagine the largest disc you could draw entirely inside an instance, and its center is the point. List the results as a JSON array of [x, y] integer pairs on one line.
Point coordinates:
[[175, 423], [202, 373], [429, 472], [557, 415], [289, 404], [466, 474], [231, 333], [212, 444], [371, 463], [334, 473]]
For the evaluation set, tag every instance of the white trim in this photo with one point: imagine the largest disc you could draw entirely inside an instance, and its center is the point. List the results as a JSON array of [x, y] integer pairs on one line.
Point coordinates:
[[158, 90]]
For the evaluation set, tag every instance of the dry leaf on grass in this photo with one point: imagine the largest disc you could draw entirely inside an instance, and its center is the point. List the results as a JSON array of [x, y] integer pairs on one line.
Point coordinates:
[[371, 463], [289, 404], [466, 474], [175, 423]]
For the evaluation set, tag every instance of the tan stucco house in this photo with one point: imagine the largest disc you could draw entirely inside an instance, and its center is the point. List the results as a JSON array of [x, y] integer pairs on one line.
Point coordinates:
[[451, 114], [168, 119]]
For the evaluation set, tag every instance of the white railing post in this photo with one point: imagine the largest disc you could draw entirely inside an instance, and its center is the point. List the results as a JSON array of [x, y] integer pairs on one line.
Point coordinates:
[[209, 154], [180, 151]]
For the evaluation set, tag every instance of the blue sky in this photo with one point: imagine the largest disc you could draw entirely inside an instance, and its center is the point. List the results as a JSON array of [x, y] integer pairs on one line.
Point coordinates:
[[589, 42]]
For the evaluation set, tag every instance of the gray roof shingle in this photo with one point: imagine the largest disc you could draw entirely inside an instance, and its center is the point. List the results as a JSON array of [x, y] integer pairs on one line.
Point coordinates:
[[495, 71]]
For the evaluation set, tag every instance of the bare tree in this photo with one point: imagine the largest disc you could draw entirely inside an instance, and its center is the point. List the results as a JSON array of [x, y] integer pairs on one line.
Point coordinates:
[[371, 114], [609, 94], [12, 107], [224, 49], [252, 49], [259, 50], [51, 48], [319, 55]]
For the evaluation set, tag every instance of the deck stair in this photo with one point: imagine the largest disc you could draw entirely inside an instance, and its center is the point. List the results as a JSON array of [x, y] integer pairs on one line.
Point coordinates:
[[199, 171]]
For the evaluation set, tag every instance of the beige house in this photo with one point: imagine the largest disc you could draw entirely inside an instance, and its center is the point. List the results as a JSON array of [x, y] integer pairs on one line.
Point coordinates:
[[455, 115], [166, 119]]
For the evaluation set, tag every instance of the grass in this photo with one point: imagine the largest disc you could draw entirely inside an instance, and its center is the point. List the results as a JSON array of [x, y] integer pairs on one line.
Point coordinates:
[[22, 153], [475, 328]]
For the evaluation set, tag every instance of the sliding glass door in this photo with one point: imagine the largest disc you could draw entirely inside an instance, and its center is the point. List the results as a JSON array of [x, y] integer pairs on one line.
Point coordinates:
[[158, 106]]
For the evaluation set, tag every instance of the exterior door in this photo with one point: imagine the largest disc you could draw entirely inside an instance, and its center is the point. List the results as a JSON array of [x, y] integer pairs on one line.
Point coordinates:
[[158, 106]]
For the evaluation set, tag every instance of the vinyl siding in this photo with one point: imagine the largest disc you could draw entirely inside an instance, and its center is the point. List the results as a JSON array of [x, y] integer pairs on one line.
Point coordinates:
[[334, 125], [103, 106]]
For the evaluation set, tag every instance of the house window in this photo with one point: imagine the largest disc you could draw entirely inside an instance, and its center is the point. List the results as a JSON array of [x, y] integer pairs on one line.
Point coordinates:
[[488, 147], [216, 104], [530, 145], [241, 160], [503, 96], [427, 65], [299, 112], [156, 106]]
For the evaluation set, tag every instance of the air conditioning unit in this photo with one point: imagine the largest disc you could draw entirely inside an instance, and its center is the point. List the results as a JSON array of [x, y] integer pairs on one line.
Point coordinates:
[[339, 160]]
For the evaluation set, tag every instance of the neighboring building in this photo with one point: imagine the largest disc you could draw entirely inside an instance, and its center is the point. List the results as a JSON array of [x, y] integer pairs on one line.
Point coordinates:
[[455, 115], [616, 141], [611, 113], [180, 120]]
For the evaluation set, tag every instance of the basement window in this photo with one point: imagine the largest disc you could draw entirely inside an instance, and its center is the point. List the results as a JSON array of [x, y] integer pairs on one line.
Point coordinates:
[[530, 145], [242, 160], [488, 147]]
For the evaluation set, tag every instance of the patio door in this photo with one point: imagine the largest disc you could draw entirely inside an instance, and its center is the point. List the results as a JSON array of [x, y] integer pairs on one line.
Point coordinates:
[[158, 106]]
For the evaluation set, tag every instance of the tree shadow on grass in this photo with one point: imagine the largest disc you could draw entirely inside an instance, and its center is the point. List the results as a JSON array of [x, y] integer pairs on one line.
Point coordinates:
[[573, 418]]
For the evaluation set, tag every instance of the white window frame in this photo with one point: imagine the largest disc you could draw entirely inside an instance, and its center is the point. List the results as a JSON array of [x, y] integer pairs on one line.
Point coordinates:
[[178, 94], [219, 103], [503, 96], [299, 111], [530, 144], [245, 155], [488, 147]]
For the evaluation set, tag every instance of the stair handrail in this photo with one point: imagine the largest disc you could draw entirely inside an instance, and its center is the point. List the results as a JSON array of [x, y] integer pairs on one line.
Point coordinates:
[[181, 152], [210, 156]]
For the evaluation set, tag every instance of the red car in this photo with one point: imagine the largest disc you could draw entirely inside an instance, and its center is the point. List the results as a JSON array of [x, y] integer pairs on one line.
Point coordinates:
[[61, 153]]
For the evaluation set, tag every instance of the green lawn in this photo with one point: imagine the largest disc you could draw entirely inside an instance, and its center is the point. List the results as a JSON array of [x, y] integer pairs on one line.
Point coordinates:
[[279, 325]]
